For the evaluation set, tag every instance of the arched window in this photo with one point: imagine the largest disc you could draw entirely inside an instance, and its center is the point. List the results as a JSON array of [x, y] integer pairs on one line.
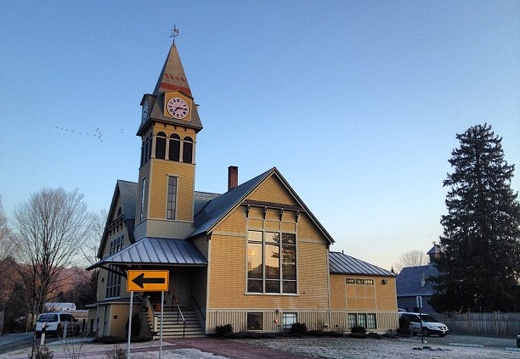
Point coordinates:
[[174, 152], [160, 145], [187, 150]]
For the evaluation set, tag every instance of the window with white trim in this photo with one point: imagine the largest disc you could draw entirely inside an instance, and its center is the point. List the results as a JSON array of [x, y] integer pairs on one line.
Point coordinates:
[[113, 288], [255, 321], [288, 319], [171, 206], [271, 262]]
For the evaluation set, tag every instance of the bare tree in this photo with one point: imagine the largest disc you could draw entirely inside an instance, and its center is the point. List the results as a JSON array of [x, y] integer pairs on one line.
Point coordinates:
[[90, 246], [51, 228], [6, 235], [7, 242], [411, 259]]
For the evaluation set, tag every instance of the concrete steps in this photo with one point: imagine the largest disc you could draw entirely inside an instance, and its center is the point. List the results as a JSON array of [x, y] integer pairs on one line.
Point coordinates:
[[173, 327]]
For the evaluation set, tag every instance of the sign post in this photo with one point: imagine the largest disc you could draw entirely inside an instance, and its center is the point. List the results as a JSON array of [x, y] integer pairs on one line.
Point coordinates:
[[146, 281], [419, 305]]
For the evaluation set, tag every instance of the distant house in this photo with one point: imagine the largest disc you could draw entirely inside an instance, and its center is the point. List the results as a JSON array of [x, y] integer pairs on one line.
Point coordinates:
[[414, 281]]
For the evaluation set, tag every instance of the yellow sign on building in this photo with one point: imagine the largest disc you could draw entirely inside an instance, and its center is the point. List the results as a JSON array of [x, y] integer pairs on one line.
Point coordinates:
[[147, 281]]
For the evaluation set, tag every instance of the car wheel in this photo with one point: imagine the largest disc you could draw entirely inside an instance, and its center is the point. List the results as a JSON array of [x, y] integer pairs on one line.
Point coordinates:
[[442, 335], [425, 332]]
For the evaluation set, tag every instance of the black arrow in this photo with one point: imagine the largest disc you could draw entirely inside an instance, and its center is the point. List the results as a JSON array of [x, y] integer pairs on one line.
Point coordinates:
[[140, 280]]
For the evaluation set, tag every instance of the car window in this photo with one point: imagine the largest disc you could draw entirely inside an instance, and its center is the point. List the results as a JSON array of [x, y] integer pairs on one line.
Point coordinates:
[[47, 318], [414, 318], [428, 318]]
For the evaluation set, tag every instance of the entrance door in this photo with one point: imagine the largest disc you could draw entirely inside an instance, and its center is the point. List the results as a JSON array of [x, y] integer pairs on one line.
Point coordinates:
[[179, 286]]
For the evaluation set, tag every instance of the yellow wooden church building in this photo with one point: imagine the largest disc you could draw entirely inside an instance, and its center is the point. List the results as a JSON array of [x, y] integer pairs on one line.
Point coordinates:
[[254, 257]]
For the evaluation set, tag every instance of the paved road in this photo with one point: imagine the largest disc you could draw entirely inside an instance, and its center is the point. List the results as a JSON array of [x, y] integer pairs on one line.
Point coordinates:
[[11, 342], [469, 340]]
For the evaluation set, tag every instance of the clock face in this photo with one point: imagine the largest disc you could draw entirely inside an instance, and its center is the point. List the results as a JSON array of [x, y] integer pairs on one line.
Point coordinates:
[[145, 111], [177, 107]]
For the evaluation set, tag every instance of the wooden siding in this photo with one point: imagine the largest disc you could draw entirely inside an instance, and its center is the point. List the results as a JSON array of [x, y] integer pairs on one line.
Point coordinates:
[[314, 320], [377, 297], [272, 190], [272, 319], [158, 189], [228, 300]]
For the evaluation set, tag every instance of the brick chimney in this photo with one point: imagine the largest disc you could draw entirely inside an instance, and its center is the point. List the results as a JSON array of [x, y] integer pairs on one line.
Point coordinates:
[[232, 177]]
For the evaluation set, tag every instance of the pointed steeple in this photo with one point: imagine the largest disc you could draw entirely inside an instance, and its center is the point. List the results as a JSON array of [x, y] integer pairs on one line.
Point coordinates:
[[172, 77], [172, 82]]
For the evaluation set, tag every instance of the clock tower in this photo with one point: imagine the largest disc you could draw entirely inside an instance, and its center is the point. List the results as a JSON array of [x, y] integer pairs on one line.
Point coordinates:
[[169, 126]]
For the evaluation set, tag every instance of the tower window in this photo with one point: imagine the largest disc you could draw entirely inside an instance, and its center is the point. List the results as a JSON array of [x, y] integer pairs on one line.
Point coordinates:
[[187, 150], [172, 197], [175, 148], [160, 145]]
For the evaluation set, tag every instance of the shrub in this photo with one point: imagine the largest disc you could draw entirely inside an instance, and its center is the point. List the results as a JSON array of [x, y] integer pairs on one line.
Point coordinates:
[[298, 328], [109, 340], [116, 353], [404, 327], [404, 323], [224, 329], [42, 353], [358, 330], [136, 325]]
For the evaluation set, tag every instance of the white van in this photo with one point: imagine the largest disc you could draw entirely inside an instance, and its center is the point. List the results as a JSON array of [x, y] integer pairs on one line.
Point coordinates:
[[425, 323]]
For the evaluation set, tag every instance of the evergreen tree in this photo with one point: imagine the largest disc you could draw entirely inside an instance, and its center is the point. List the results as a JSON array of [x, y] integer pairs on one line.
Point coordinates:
[[480, 263]]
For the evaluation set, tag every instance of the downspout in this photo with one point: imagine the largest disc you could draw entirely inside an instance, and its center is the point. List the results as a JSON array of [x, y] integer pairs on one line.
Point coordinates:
[[208, 281], [328, 285]]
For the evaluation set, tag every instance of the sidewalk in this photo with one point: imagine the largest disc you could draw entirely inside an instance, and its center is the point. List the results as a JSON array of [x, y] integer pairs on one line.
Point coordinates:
[[196, 348]]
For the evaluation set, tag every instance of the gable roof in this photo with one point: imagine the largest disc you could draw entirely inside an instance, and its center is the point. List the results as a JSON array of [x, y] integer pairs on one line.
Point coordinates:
[[218, 208], [126, 191], [410, 281], [340, 263]]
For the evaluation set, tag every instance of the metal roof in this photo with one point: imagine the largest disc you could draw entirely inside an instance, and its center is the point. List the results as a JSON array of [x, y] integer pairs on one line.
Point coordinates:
[[156, 251], [340, 263]]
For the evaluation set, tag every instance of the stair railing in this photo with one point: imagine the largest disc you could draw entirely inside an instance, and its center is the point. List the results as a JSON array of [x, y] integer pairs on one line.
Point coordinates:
[[198, 311], [149, 309], [179, 312]]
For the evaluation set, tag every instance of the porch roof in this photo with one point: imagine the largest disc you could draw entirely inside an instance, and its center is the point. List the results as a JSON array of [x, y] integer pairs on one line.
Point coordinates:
[[156, 251]]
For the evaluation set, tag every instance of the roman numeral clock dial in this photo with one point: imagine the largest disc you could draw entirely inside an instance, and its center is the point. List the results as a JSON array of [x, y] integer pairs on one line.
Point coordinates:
[[177, 108]]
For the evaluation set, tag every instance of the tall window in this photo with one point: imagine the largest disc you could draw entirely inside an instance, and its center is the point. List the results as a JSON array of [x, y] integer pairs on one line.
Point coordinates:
[[271, 262], [187, 150], [113, 288], [160, 145], [174, 151], [172, 197]]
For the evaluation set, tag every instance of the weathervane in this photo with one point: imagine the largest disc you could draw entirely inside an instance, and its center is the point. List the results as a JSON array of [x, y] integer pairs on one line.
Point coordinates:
[[175, 33]]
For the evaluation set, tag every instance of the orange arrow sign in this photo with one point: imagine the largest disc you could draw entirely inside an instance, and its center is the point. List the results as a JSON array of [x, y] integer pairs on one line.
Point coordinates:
[[147, 280]]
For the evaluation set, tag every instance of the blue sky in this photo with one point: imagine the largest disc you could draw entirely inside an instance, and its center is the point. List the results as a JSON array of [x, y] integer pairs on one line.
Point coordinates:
[[357, 103]]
